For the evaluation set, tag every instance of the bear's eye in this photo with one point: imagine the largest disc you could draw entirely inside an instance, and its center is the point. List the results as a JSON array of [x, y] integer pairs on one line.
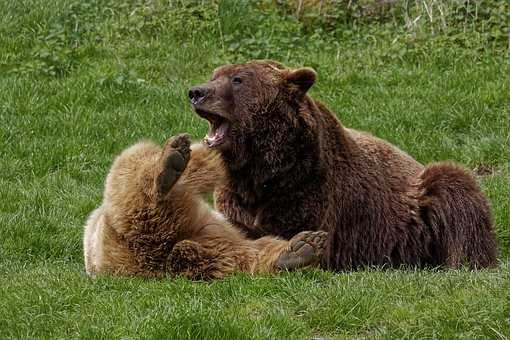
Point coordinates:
[[237, 80]]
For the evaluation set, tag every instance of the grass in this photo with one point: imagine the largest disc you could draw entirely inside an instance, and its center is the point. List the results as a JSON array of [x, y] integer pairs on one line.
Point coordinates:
[[65, 116]]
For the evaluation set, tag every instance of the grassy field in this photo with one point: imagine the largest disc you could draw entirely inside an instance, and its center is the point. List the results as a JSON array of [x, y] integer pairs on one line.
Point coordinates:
[[82, 80]]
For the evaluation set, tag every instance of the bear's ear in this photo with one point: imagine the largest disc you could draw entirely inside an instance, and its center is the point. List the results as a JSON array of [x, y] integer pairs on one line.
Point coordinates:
[[302, 79]]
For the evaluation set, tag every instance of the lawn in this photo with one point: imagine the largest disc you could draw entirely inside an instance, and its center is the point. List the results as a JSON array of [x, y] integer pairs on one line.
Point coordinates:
[[82, 80]]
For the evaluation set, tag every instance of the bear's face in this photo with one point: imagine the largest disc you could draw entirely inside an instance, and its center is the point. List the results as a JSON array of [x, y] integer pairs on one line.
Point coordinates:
[[240, 95]]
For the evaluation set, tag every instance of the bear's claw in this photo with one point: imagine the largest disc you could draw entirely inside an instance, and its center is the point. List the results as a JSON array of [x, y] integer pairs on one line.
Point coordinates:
[[305, 249]]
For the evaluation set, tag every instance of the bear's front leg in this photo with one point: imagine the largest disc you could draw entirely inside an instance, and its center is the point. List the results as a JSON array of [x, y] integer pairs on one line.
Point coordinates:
[[174, 158]]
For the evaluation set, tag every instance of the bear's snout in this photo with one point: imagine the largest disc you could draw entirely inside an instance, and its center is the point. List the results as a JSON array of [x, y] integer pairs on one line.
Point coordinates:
[[197, 94]]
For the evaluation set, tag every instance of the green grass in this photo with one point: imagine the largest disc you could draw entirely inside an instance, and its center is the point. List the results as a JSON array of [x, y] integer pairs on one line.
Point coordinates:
[[59, 133]]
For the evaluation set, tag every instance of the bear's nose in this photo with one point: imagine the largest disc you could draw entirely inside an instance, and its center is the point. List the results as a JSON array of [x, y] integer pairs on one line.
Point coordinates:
[[197, 94]]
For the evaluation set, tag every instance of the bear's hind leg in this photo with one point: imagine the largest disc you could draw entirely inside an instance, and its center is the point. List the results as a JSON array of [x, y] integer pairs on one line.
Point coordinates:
[[303, 250], [459, 217], [219, 250], [196, 262]]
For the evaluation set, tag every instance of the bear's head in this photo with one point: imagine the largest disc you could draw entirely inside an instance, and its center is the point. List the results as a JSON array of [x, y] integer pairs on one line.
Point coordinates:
[[244, 101]]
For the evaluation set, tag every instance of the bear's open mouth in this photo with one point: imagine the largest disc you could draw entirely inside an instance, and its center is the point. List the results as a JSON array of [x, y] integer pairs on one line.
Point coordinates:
[[218, 127]]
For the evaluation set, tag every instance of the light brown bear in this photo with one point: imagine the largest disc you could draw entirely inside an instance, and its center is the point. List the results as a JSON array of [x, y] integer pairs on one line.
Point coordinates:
[[153, 221]]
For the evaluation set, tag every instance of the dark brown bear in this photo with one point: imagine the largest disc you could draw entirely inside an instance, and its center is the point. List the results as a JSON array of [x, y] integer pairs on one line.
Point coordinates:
[[292, 166]]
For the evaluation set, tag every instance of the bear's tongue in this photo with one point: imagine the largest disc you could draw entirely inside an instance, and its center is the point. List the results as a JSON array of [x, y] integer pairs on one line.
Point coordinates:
[[216, 133]]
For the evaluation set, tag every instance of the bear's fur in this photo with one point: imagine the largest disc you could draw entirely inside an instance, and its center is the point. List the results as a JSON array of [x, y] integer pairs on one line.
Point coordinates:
[[292, 166], [153, 221]]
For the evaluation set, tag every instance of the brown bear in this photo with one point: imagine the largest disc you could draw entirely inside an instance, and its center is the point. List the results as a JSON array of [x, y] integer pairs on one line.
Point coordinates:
[[292, 166], [153, 221]]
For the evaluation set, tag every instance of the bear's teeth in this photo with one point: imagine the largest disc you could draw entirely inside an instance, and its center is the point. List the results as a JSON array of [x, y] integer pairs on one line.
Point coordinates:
[[215, 136]]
